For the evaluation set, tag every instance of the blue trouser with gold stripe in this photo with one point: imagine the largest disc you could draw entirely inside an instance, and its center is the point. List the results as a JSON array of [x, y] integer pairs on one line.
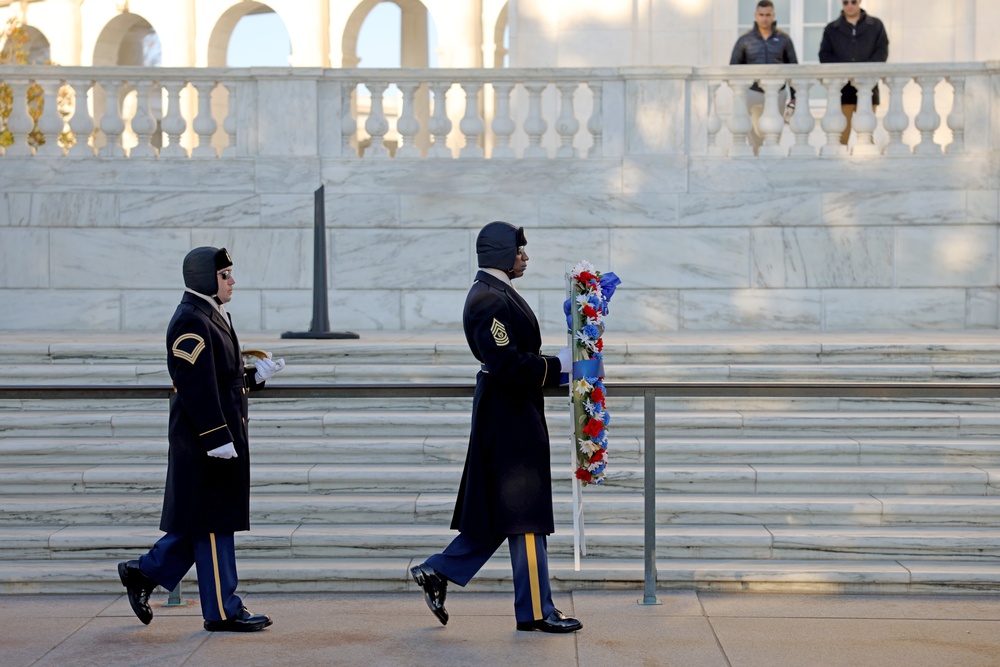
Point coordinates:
[[214, 554], [467, 554]]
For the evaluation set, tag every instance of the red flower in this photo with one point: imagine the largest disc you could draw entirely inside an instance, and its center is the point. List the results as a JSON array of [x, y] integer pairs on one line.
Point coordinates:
[[599, 345], [598, 455], [585, 276], [593, 428], [597, 396], [589, 311], [583, 474]]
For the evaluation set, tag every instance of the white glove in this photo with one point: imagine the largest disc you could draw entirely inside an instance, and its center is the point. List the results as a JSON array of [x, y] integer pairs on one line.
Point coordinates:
[[267, 368], [225, 452], [565, 360]]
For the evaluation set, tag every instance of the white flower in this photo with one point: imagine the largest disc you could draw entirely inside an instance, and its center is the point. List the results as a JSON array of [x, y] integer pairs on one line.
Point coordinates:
[[582, 266], [583, 387]]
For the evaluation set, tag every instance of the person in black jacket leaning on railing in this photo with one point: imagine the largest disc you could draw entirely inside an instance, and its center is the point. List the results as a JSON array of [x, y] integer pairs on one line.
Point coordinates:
[[506, 488], [763, 44], [207, 495], [854, 37]]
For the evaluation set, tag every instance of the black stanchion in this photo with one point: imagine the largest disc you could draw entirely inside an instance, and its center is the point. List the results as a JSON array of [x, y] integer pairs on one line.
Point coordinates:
[[320, 327]]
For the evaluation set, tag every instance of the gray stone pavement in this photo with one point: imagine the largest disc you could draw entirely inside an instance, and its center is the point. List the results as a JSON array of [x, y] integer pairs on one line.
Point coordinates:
[[689, 629]]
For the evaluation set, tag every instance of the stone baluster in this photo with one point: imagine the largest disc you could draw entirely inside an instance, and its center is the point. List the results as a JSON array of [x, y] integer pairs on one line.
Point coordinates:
[[51, 123], [407, 125], [566, 124], [143, 123], [864, 121], [19, 122], [896, 121], [503, 124], [377, 125], [204, 124], [439, 124], [928, 120], [174, 123], [595, 124], [535, 125], [348, 123], [834, 121], [739, 123], [772, 121], [80, 123], [231, 122], [802, 122], [956, 119], [713, 124], [471, 124], [112, 123]]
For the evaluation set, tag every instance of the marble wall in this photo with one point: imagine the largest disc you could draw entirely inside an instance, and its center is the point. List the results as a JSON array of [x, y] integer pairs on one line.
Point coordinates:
[[700, 243]]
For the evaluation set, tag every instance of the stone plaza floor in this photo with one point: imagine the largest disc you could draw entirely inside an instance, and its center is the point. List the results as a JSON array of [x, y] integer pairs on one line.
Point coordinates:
[[689, 629]]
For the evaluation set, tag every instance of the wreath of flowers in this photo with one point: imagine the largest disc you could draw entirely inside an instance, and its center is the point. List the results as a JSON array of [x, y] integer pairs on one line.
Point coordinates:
[[590, 292]]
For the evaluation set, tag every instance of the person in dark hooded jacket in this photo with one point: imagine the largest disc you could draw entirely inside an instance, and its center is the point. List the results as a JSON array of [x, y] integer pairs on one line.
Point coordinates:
[[854, 37], [506, 488], [207, 495]]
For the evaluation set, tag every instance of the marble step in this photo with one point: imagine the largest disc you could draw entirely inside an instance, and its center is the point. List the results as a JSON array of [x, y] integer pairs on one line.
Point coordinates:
[[603, 506], [601, 541], [637, 370], [89, 451], [444, 478], [450, 347], [454, 423], [314, 575]]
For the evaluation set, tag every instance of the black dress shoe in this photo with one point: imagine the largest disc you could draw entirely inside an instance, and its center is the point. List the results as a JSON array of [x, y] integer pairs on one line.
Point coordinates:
[[243, 621], [139, 587], [554, 622], [435, 587]]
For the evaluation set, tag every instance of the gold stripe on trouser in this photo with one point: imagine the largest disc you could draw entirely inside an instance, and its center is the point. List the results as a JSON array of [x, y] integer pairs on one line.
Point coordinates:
[[536, 594], [218, 582]]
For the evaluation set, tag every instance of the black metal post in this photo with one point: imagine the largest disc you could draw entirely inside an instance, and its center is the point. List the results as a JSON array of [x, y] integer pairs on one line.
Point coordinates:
[[320, 327]]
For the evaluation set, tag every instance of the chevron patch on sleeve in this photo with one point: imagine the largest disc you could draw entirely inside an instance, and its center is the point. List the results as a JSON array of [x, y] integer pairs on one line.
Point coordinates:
[[188, 347], [499, 332]]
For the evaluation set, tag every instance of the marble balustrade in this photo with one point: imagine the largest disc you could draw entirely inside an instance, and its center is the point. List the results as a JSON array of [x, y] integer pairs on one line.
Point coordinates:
[[926, 109], [635, 170]]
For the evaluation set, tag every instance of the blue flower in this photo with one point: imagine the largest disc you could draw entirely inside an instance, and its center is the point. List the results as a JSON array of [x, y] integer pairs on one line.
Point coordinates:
[[569, 317], [607, 418], [609, 282], [592, 331]]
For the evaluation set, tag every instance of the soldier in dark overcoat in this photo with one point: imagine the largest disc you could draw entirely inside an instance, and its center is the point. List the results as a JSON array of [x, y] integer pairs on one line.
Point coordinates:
[[207, 496], [506, 488]]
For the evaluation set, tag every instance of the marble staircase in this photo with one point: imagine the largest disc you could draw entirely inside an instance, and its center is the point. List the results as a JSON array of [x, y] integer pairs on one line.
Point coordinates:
[[803, 494]]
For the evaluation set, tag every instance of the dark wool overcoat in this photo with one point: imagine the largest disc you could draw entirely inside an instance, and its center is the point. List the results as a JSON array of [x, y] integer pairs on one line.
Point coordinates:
[[206, 494], [506, 486]]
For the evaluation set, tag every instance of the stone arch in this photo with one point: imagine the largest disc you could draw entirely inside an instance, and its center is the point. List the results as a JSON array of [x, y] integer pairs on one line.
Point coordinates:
[[218, 42], [128, 39], [414, 34], [499, 30], [36, 47]]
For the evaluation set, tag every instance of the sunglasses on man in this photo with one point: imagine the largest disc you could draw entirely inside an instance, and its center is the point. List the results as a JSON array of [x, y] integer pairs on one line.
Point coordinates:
[[850, 2]]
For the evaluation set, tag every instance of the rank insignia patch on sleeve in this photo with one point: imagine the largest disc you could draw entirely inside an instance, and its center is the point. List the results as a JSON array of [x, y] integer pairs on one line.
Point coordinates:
[[499, 332], [188, 347]]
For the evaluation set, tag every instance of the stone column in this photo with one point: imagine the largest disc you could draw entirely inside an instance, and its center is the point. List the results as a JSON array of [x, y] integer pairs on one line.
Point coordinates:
[[66, 35], [463, 24]]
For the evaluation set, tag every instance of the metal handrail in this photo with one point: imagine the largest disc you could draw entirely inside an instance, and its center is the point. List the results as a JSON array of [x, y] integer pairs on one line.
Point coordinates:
[[649, 391]]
